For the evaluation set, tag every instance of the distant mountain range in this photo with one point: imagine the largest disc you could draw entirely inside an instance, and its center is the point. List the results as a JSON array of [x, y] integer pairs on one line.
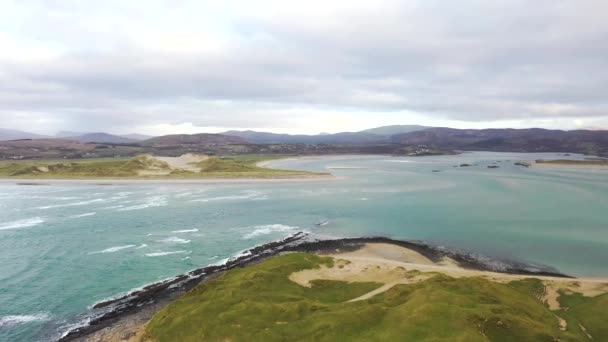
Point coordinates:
[[193, 139], [387, 138], [378, 135], [508, 140], [11, 134], [85, 137]]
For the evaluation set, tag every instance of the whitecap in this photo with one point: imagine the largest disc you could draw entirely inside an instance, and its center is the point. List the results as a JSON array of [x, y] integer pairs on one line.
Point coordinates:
[[363, 199], [97, 200], [160, 253], [112, 207], [155, 201], [174, 239], [23, 223], [113, 249], [141, 246], [250, 195], [267, 229], [7, 321], [82, 215], [185, 231], [220, 263], [398, 161]]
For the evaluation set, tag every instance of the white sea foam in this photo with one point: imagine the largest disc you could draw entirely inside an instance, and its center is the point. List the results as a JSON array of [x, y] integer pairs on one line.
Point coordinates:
[[113, 249], [174, 239], [7, 321], [185, 231], [214, 257], [154, 201], [267, 229], [398, 161], [74, 204], [112, 207], [363, 199], [250, 195], [82, 215], [23, 223], [141, 246], [220, 263], [183, 194], [160, 253]]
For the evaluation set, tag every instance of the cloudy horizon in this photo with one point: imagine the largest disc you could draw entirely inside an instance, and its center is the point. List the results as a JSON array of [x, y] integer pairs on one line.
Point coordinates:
[[178, 66]]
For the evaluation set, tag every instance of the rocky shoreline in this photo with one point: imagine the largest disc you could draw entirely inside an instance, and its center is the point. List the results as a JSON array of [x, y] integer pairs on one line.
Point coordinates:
[[154, 297]]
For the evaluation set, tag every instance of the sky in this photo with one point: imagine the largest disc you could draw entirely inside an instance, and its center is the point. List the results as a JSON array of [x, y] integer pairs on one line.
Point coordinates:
[[179, 66]]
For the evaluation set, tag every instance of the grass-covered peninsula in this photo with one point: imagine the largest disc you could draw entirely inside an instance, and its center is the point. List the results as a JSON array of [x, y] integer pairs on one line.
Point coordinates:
[[381, 292], [262, 303], [188, 166]]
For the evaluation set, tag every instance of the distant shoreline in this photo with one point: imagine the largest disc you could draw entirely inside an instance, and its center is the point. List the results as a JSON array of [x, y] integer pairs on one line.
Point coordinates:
[[183, 181]]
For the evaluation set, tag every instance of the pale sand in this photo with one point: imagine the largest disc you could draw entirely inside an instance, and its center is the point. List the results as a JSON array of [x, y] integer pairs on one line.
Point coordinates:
[[184, 162], [390, 264]]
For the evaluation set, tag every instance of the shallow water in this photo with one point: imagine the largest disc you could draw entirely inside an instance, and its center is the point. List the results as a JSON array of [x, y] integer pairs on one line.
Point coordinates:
[[64, 248]]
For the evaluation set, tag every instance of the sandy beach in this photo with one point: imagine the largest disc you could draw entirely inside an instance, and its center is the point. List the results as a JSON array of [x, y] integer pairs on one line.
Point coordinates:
[[183, 181]]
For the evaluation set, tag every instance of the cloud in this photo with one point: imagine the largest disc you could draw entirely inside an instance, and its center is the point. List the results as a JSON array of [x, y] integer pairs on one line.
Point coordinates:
[[301, 66]]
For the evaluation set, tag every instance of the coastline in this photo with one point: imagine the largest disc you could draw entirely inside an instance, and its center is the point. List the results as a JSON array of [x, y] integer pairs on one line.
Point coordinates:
[[130, 312], [160, 181]]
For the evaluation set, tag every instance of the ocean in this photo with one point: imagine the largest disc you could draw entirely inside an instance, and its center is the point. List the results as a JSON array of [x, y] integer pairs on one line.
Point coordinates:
[[65, 247]]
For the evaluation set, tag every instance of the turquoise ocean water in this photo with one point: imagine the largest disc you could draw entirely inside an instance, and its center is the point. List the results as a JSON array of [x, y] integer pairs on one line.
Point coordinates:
[[64, 248]]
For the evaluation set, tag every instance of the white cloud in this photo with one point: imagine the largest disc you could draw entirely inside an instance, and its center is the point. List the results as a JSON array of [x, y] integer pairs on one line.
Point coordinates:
[[301, 66]]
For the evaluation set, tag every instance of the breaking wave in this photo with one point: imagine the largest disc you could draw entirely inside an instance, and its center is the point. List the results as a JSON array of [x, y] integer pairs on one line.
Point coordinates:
[[155, 201], [156, 254], [185, 231], [174, 239], [7, 321], [113, 249], [268, 229], [23, 223]]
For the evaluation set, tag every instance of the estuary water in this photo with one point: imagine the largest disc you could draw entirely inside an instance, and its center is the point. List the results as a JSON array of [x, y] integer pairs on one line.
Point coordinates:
[[65, 247]]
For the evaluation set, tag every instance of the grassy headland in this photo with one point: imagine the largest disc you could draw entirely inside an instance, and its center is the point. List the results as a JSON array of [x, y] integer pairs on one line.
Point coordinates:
[[149, 167], [264, 303]]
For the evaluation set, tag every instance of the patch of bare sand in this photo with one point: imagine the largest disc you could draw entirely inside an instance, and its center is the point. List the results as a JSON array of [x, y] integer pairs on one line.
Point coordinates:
[[184, 162], [391, 265]]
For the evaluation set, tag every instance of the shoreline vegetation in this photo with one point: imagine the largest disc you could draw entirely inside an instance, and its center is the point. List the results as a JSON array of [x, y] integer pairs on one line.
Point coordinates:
[[570, 162], [188, 168], [360, 288]]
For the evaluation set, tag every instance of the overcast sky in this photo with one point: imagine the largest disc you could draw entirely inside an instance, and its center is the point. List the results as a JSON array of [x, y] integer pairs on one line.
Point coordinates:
[[180, 66]]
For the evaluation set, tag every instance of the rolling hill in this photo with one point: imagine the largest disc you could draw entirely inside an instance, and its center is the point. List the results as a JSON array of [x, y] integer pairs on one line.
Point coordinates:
[[101, 137], [509, 140], [11, 134], [193, 139], [395, 129]]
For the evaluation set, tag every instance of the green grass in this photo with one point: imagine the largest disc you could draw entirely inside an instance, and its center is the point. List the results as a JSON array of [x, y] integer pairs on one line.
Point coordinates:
[[214, 167], [590, 312], [260, 303]]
